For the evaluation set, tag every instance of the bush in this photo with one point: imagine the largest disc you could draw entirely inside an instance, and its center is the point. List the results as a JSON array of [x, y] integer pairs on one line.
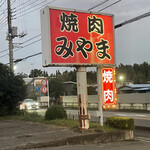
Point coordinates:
[[55, 112], [120, 123], [12, 90], [3, 111]]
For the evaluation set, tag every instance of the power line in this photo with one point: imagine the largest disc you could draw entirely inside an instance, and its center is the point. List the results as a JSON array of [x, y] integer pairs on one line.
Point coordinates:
[[109, 5], [133, 19], [25, 4], [13, 2], [36, 8], [3, 21], [21, 59], [31, 38], [27, 45], [3, 11], [3, 26], [3, 3], [23, 42], [30, 4], [98, 5], [22, 47], [4, 50]]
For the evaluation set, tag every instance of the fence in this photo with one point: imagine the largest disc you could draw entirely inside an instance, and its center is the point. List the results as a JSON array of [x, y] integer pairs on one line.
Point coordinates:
[[125, 101]]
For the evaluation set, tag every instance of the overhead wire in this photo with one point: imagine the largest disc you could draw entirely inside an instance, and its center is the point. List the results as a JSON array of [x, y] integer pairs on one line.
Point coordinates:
[[21, 59], [3, 3], [36, 8], [30, 4], [3, 26], [4, 50], [22, 47], [3, 20], [13, 2], [98, 5], [110, 5], [25, 4], [31, 38], [27, 45], [23, 42], [132, 20]]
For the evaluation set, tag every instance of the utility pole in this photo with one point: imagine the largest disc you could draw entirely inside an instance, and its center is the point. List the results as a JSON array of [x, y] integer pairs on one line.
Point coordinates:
[[10, 36]]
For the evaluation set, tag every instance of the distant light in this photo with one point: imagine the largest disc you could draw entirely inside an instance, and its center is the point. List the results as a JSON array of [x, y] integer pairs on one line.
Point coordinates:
[[121, 77], [15, 67]]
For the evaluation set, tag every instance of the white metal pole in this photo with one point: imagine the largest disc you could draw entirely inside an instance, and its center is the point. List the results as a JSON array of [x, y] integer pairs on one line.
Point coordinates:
[[100, 105], [82, 98], [48, 92]]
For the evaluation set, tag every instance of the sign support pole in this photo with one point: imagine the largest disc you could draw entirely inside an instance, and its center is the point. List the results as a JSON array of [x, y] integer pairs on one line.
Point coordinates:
[[48, 93], [82, 98], [100, 104]]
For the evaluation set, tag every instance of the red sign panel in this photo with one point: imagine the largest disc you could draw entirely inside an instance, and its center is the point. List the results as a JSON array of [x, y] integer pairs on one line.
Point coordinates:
[[44, 89], [78, 38], [44, 82], [108, 87]]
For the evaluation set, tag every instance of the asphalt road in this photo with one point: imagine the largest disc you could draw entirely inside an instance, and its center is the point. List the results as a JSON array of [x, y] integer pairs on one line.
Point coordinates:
[[140, 119]]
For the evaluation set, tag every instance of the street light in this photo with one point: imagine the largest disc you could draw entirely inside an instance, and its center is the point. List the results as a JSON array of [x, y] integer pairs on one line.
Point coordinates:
[[15, 67], [121, 80]]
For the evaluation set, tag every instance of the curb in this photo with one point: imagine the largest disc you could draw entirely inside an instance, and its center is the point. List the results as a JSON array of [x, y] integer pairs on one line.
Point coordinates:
[[81, 140]]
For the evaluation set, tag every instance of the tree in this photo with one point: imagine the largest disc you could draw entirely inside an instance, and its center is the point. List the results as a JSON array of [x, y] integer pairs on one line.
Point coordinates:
[[56, 88], [38, 72], [12, 90]]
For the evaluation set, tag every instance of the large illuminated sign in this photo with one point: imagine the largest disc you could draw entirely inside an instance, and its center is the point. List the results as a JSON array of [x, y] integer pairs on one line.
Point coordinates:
[[72, 37]]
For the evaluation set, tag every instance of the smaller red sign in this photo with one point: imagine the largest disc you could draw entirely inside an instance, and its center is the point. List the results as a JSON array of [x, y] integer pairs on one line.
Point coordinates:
[[108, 87], [44, 89], [44, 82]]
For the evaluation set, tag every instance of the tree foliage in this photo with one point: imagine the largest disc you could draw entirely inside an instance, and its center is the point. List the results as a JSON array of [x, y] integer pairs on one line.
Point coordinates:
[[38, 72], [12, 90], [56, 88], [138, 73]]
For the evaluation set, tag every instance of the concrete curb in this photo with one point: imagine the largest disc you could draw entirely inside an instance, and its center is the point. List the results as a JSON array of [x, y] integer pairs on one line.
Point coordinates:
[[83, 139]]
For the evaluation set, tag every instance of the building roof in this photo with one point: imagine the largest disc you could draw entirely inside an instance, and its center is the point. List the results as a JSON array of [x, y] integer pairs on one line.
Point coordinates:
[[135, 87], [139, 86], [27, 80]]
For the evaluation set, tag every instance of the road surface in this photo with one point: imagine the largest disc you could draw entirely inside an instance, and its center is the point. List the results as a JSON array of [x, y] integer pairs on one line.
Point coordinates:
[[140, 119]]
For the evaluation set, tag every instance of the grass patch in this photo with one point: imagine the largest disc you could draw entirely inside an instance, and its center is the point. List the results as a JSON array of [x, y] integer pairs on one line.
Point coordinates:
[[73, 124], [25, 116], [64, 123]]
